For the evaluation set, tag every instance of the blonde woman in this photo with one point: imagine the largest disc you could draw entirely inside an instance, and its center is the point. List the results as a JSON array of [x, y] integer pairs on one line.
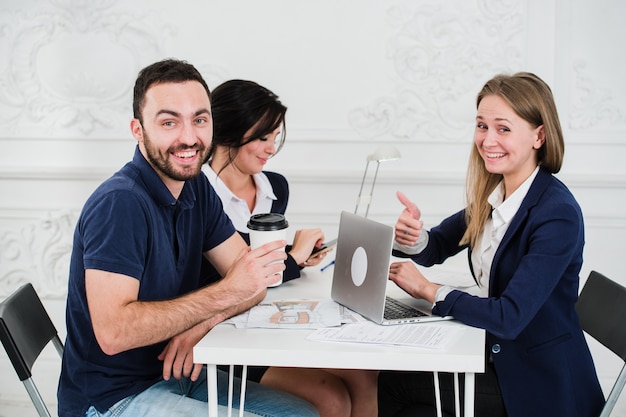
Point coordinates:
[[525, 235]]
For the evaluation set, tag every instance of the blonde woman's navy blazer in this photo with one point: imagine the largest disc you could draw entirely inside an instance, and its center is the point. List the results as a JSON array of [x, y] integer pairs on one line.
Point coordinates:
[[534, 338]]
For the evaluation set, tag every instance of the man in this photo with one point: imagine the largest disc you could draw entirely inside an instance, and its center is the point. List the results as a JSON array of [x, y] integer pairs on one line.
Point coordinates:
[[134, 307]]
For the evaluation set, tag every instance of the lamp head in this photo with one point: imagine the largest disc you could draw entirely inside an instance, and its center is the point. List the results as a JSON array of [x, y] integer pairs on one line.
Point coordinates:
[[384, 153]]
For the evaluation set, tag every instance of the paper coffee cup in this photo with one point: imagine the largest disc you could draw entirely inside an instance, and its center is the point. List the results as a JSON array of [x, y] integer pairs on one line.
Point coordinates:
[[265, 228]]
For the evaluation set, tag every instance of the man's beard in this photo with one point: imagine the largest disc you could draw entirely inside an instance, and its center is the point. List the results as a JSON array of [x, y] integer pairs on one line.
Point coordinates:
[[161, 162]]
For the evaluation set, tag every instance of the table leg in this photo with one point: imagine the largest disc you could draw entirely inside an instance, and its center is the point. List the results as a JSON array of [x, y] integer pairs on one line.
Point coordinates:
[[242, 397], [438, 403], [470, 388], [231, 384], [457, 390], [211, 376]]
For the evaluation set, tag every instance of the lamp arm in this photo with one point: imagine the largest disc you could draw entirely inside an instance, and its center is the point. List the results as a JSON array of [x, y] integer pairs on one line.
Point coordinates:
[[358, 200], [367, 209]]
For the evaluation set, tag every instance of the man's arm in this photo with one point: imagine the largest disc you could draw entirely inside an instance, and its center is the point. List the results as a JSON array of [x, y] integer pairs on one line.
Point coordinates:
[[122, 322], [177, 356]]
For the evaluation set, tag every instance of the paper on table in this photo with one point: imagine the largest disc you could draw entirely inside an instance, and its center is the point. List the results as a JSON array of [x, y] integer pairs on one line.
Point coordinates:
[[419, 335], [348, 316], [294, 314], [239, 321]]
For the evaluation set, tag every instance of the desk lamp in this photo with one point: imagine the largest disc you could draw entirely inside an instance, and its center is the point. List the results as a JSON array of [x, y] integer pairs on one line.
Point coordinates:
[[383, 153]]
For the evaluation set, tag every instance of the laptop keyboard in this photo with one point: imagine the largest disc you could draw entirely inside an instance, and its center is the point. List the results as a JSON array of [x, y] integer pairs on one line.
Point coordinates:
[[397, 310]]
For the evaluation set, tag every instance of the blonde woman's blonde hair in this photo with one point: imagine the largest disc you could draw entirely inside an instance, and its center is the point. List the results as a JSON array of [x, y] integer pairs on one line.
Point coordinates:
[[531, 99]]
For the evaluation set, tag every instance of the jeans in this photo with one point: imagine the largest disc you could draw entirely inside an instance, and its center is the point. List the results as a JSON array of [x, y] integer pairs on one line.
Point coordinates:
[[184, 398]]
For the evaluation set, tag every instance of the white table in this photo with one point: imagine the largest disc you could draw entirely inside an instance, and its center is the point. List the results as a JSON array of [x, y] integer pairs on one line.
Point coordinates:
[[226, 344]]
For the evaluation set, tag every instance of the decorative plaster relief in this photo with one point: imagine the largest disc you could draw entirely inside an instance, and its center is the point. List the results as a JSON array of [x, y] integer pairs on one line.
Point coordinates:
[[58, 70], [38, 253], [592, 105], [592, 66], [441, 53]]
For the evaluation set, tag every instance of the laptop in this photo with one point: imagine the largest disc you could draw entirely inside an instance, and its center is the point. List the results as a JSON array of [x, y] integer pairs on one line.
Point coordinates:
[[362, 271]]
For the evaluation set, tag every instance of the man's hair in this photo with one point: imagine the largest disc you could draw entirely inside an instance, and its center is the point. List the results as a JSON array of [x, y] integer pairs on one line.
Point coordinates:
[[165, 71]]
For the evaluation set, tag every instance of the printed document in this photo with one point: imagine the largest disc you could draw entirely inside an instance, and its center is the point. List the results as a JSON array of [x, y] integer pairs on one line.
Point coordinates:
[[420, 335]]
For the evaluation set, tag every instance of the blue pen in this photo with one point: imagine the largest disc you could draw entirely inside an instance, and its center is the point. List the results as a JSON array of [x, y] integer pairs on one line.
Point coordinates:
[[324, 268]]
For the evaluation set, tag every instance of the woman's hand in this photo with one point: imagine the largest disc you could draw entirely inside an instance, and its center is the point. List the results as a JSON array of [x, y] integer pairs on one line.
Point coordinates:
[[304, 241], [409, 226], [410, 279]]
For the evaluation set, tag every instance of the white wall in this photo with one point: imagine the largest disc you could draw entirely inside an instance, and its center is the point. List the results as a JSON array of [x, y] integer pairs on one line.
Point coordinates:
[[354, 74]]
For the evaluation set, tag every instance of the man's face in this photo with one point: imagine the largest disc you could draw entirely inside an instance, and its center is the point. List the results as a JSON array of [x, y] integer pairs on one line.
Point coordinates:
[[176, 131]]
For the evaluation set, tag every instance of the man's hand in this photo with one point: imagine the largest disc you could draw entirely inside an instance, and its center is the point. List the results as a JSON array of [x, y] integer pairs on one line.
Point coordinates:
[[177, 356], [247, 280], [255, 269]]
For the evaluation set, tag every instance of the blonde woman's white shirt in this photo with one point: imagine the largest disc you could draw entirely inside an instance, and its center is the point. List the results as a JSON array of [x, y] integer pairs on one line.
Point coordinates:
[[502, 214]]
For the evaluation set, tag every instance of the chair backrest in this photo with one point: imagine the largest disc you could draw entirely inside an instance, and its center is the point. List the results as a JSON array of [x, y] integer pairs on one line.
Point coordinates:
[[25, 329], [601, 308]]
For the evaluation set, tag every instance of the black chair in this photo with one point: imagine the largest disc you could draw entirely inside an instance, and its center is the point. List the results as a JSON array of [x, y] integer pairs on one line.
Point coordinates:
[[25, 329], [601, 308]]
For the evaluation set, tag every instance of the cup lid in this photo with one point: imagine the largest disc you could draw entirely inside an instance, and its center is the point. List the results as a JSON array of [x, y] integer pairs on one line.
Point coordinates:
[[267, 221]]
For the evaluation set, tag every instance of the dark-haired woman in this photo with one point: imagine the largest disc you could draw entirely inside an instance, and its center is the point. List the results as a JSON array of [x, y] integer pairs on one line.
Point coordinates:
[[248, 130]]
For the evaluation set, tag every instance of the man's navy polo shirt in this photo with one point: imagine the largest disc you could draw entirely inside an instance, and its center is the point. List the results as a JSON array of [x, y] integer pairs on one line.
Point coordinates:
[[132, 225]]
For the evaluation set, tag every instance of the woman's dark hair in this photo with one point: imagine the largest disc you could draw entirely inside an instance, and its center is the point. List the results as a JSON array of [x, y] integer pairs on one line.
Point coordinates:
[[238, 106], [165, 71]]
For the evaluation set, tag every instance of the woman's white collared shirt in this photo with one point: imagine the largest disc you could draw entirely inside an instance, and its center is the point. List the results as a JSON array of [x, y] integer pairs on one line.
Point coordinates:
[[236, 208], [501, 216]]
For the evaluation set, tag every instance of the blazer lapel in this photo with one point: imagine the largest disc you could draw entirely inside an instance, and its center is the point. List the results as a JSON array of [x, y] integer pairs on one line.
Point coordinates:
[[536, 190]]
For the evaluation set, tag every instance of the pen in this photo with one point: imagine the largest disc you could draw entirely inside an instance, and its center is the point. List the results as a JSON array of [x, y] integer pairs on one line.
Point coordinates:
[[324, 268]]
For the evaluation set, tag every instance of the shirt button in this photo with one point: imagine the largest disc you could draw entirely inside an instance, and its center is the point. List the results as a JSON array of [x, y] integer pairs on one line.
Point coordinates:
[[495, 348]]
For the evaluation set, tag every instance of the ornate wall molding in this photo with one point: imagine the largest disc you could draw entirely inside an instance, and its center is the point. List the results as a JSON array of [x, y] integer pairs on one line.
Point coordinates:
[[587, 59], [592, 105], [58, 75], [437, 57], [38, 252]]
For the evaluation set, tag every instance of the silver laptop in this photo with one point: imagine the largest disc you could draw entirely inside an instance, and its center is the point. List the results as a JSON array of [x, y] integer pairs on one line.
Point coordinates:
[[362, 270]]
